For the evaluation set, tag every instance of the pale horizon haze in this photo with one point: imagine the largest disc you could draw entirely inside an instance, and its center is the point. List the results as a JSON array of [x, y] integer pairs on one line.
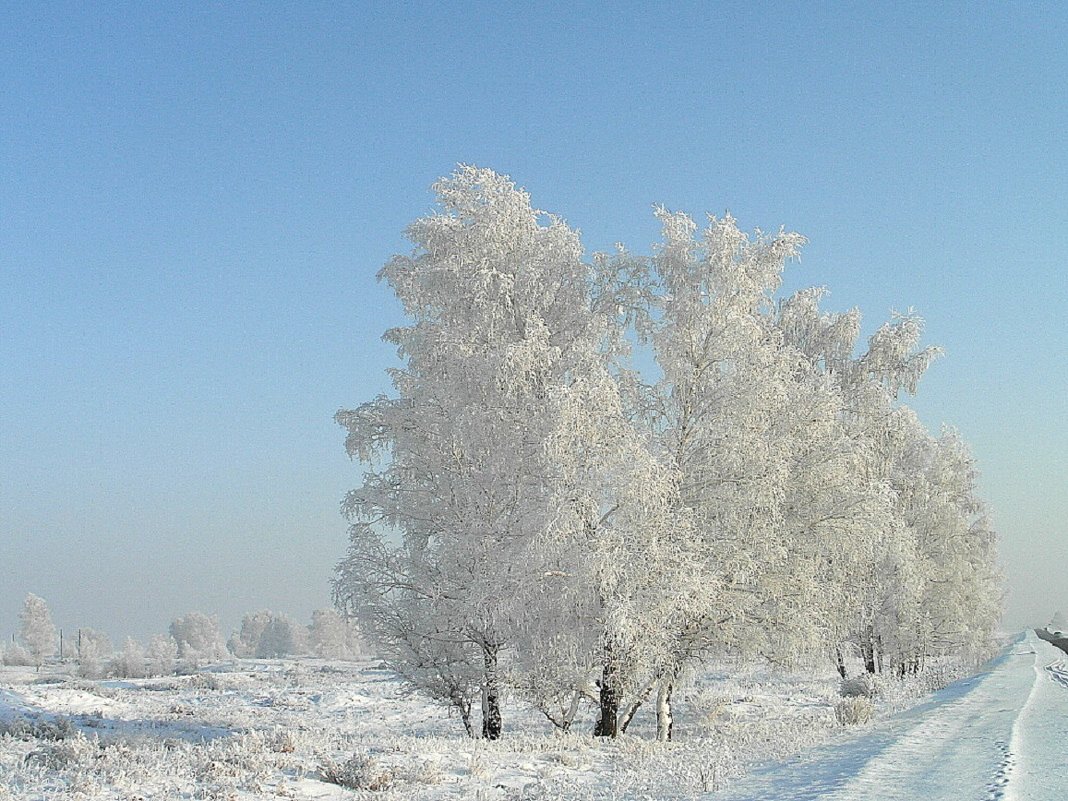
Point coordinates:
[[196, 199]]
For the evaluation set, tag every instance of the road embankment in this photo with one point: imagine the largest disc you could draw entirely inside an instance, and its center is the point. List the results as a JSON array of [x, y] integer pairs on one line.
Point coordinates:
[[1060, 642]]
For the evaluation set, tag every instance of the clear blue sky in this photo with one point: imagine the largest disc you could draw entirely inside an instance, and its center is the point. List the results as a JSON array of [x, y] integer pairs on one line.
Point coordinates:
[[195, 200]]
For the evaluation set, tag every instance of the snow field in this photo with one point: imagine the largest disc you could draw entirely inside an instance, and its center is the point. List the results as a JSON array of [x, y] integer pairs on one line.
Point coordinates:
[[282, 728]]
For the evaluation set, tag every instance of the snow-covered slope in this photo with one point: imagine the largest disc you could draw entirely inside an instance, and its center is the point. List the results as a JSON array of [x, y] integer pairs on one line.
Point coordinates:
[[999, 735]]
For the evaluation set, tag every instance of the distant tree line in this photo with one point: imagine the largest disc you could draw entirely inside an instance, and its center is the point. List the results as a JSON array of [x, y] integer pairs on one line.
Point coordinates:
[[193, 639]]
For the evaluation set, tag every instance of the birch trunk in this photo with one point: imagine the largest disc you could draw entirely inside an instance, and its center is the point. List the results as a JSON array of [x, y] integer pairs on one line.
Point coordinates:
[[663, 710]]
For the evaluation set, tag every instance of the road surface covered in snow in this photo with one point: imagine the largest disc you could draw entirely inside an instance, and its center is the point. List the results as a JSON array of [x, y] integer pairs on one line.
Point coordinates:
[[1001, 735]]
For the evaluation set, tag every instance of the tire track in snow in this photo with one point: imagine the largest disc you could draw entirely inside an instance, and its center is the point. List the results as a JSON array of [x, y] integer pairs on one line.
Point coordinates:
[[1038, 727], [1058, 672], [1005, 788]]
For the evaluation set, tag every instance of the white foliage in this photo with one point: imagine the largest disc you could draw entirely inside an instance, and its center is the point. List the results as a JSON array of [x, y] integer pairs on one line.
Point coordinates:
[[130, 662], [160, 656], [198, 638], [94, 652], [533, 512], [332, 636], [37, 631]]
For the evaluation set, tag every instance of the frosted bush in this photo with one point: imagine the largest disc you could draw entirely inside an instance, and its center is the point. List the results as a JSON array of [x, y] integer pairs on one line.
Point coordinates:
[[857, 687], [22, 728], [358, 772], [424, 772], [94, 652], [853, 711], [130, 661], [15, 655], [162, 651], [76, 751]]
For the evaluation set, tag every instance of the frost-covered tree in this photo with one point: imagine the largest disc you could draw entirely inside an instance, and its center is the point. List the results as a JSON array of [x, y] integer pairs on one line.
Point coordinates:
[[12, 653], [160, 656], [37, 631], [615, 564], [937, 547], [281, 637], [753, 437], [198, 638], [535, 514], [94, 653], [130, 661], [331, 636], [459, 480], [246, 642], [958, 597]]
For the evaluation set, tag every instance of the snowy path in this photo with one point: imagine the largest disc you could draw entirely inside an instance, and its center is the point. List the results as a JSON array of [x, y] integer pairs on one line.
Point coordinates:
[[999, 736]]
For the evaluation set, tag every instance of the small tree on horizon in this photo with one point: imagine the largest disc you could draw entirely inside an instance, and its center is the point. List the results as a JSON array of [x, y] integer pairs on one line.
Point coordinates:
[[162, 651], [38, 633], [198, 638], [94, 651]]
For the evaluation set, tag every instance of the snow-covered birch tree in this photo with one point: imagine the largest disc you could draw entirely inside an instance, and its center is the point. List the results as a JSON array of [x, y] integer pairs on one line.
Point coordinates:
[[751, 434], [37, 631], [458, 482], [535, 515]]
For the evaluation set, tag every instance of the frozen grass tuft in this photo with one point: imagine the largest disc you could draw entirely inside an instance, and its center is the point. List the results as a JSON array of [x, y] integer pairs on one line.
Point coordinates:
[[358, 772], [854, 711]]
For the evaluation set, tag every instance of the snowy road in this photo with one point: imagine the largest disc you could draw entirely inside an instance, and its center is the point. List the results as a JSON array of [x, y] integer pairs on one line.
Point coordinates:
[[999, 736]]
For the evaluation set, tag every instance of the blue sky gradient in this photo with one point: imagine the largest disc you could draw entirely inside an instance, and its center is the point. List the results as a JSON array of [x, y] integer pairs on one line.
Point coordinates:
[[196, 199]]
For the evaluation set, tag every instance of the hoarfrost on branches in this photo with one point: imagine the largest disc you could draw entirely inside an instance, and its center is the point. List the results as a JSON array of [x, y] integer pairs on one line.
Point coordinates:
[[37, 631], [537, 516]]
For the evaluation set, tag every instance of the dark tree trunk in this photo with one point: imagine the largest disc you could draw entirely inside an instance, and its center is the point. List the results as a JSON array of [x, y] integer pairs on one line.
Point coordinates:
[[608, 722], [867, 649], [465, 716], [840, 662], [491, 703], [464, 707]]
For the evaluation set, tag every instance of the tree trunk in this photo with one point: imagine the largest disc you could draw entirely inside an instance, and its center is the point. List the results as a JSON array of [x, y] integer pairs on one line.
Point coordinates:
[[576, 699], [663, 711], [465, 716], [608, 722], [491, 704], [867, 650], [635, 705], [840, 662]]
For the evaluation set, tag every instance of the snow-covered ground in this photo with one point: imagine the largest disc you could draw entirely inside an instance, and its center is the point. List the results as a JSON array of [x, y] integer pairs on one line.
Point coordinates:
[[294, 728], [1001, 734]]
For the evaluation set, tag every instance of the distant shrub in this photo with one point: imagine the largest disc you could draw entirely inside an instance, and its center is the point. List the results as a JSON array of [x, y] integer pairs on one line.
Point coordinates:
[[94, 653], [15, 655], [333, 637], [159, 659], [198, 638], [23, 728], [129, 663], [857, 687], [267, 635], [358, 772], [854, 711]]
